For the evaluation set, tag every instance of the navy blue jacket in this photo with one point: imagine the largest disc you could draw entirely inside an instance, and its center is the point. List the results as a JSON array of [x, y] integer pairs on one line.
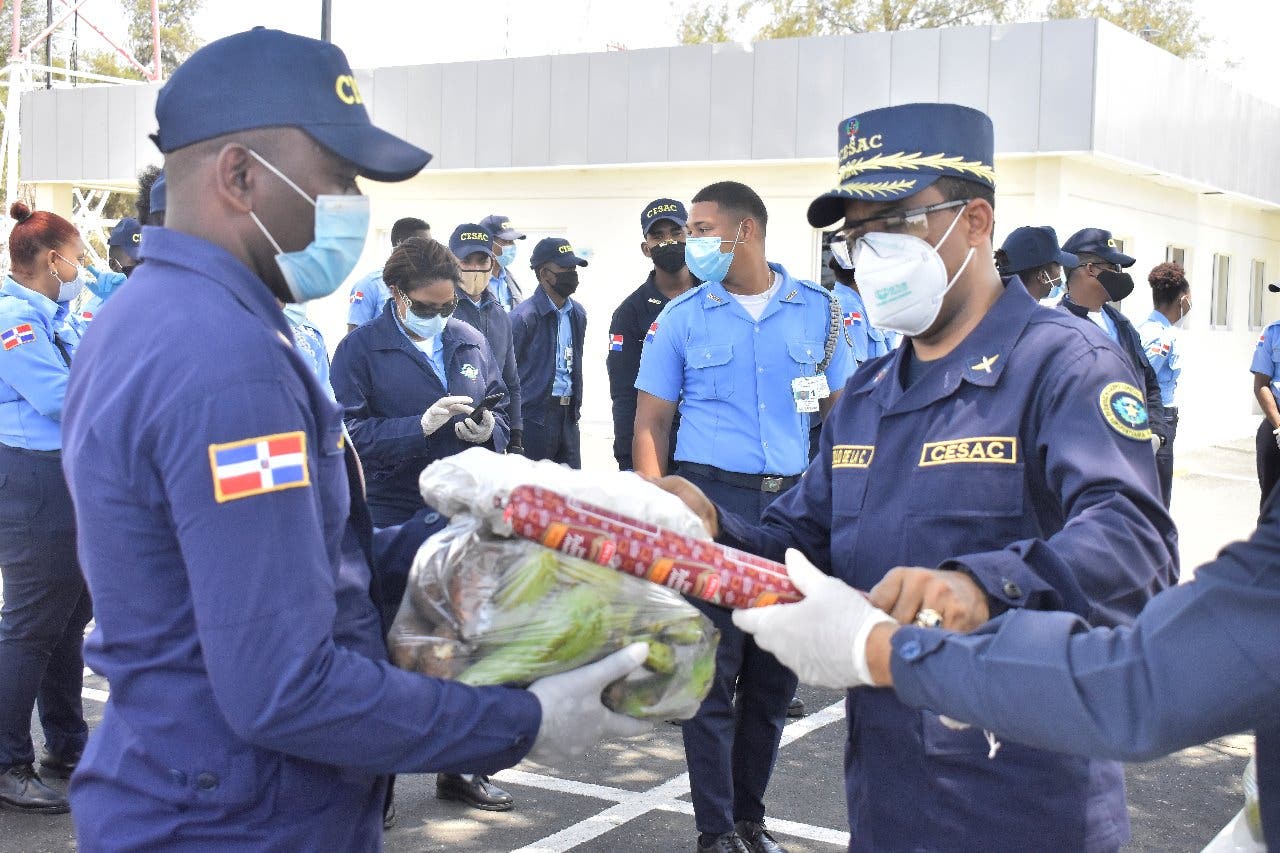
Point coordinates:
[[534, 328], [1023, 458], [490, 319], [384, 385], [1201, 661], [235, 578]]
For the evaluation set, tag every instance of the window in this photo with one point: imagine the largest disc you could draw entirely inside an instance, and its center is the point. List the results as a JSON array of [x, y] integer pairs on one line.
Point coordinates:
[[1257, 287], [1220, 303], [1176, 255]]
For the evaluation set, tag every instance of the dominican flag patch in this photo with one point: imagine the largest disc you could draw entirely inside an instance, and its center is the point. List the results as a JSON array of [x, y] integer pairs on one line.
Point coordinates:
[[356, 296], [255, 466], [615, 343], [853, 318], [17, 336], [1157, 349], [653, 330]]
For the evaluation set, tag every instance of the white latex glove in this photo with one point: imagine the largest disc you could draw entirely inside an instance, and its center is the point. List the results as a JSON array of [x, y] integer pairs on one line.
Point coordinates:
[[823, 638], [1276, 433], [475, 433], [1155, 441], [444, 409], [573, 717]]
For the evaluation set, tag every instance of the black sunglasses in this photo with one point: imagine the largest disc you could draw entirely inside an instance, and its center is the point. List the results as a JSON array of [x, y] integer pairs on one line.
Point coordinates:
[[428, 312]]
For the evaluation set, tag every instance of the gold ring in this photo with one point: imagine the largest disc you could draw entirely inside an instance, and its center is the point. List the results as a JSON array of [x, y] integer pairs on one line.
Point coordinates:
[[928, 618]]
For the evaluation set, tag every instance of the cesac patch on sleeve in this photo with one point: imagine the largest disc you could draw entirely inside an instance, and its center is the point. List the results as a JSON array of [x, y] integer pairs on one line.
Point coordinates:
[[256, 466], [1125, 410]]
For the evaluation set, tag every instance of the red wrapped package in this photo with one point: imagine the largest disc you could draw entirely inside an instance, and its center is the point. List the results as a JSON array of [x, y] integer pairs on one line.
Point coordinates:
[[704, 570]]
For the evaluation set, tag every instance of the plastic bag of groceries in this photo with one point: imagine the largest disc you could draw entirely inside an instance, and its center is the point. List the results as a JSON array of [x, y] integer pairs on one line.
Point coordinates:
[[478, 482], [485, 610]]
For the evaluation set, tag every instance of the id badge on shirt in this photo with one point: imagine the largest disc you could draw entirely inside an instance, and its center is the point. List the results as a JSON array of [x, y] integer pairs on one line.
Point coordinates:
[[807, 391], [568, 358]]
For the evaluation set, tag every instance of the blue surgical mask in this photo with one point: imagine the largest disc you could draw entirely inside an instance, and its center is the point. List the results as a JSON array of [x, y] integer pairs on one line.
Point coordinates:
[[704, 259], [423, 327], [295, 312], [508, 256], [69, 290], [341, 226]]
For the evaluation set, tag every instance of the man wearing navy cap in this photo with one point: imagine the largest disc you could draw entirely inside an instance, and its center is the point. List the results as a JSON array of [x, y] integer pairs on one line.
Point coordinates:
[[472, 245], [998, 459], [1098, 279], [240, 593], [662, 226], [548, 330], [503, 283], [1033, 255]]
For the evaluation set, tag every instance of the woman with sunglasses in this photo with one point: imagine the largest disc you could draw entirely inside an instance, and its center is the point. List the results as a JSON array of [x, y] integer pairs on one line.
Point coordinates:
[[46, 604], [411, 379]]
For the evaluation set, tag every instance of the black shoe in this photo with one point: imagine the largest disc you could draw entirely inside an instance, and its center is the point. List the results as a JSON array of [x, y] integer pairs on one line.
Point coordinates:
[[796, 708], [729, 842], [22, 789], [58, 766], [474, 790], [389, 816], [757, 838]]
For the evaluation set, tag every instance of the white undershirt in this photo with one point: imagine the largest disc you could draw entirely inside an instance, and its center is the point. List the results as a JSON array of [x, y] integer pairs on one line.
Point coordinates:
[[755, 305]]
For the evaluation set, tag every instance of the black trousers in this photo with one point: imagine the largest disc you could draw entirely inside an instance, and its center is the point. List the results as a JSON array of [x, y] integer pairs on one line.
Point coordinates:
[[46, 608], [731, 744], [1164, 456], [1268, 460], [553, 436]]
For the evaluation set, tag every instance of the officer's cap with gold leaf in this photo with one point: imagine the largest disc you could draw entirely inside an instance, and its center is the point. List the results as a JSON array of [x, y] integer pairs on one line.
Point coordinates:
[[895, 152]]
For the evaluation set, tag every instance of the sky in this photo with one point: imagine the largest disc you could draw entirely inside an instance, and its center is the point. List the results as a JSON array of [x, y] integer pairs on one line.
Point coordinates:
[[402, 32]]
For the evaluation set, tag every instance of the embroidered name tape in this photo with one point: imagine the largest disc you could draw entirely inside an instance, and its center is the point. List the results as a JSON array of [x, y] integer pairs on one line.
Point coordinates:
[[852, 455], [991, 448]]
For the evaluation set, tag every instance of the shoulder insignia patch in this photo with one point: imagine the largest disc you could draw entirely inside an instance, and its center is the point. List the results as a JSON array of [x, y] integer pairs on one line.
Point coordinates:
[[469, 371], [653, 330], [616, 342], [17, 336], [256, 466], [1125, 410]]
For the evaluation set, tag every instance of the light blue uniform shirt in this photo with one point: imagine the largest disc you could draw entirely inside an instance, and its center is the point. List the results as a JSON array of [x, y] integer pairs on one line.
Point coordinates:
[[562, 385], [434, 354], [867, 341], [33, 368], [732, 374], [1160, 342], [501, 289], [368, 295], [1266, 357], [1108, 325], [310, 343]]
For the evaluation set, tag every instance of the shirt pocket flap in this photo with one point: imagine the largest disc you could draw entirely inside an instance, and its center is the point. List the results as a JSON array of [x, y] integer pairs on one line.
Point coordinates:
[[710, 355], [806, 352]]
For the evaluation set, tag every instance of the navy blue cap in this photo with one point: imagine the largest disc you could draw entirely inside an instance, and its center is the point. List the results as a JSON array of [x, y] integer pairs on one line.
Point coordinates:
[[469, 238], [554, 250], [500, 227], [1097, 241], [157, 195], [663, 208], [895, 152], [127, 235], [1034, 246], [269, 78]]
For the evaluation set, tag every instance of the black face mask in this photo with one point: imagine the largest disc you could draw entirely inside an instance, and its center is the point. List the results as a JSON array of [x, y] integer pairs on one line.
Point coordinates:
[[668, 257], [566, 283], [1118, 285]]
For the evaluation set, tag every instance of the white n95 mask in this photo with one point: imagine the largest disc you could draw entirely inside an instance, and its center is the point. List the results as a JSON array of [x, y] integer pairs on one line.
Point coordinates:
[[903, 279]]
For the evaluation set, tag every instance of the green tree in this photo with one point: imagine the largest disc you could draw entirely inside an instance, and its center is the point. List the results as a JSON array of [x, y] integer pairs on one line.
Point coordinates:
[[1170, 24], [702, 24], [178, 38]]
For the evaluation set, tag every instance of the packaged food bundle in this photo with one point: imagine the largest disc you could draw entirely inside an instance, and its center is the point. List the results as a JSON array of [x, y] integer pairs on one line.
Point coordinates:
[[707, 571], [486, 610], [479, 482]]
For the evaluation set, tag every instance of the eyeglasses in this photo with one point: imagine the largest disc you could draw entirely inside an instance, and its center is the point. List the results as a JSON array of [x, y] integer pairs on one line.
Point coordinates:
[[83, 260], [1104, 265], [913, 222], [428, 312]]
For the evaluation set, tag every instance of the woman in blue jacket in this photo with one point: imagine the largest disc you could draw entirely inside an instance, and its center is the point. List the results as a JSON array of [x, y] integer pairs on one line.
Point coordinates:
[[409, 380]]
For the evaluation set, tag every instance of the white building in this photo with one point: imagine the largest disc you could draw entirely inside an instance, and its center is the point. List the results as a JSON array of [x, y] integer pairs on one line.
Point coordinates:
[[1094, 127]]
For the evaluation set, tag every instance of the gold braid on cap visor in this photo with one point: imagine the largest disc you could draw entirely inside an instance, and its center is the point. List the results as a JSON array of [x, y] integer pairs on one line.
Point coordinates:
[[903, 162]]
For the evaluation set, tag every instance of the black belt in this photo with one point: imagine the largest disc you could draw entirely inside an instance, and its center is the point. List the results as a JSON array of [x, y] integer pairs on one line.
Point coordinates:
[[772, 483], [562, 401]]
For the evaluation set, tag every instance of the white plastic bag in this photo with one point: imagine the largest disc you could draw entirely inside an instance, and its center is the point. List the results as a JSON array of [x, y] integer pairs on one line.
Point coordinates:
[[478, 481]]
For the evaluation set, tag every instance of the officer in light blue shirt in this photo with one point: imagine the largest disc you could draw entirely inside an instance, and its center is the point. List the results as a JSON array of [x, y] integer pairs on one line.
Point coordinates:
[[548, 330], [503, 283], [748, 357], [1266, 390], [1171, 296], [46, 605], [370, 293], [309, 341]]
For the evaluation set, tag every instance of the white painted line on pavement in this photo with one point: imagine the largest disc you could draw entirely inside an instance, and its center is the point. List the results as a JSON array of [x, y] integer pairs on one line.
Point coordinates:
[[566, 786], [95, 695], [630, 805]]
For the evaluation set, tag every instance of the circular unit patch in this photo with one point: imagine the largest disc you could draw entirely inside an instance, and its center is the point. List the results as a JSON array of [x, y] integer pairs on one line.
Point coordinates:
[[1125, 411]]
